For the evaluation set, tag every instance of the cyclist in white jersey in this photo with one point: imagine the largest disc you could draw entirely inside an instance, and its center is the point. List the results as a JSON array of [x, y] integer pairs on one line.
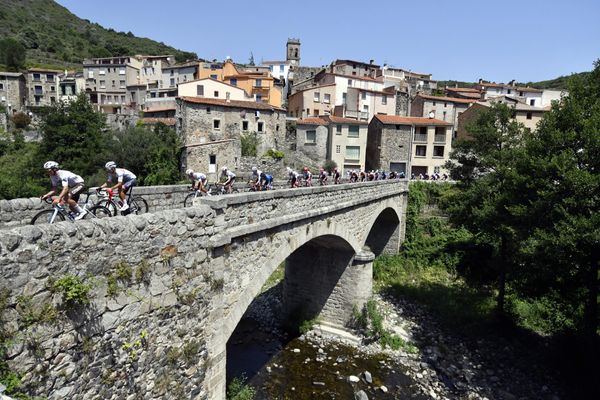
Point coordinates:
[[72, 186], [255, 178], [198, 181], [125, 181], [225, 172]]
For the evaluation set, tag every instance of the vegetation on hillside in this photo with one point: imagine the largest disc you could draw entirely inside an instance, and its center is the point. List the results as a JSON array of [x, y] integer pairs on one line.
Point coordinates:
[[54, 37], [560, 83]]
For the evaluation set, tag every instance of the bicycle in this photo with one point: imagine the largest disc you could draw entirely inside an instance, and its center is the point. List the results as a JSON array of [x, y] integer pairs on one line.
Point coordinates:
[[61, 212], [189, 199], [137, 204]]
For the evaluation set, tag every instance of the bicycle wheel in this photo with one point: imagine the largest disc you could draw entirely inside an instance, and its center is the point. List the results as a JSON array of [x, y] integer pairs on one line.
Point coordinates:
[[189, 200], [112, 207], [138, 205], [98, 212], [47, 217]]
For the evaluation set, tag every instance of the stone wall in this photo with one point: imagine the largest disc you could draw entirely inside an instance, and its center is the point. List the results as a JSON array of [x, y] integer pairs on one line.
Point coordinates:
[[269, 165], [18, 212], [3, 121]]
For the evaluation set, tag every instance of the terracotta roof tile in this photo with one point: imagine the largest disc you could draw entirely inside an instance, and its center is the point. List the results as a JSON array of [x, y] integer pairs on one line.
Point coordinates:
[[340, 120], [232, 103], [461, 89], [448, 99], [417, 121], [312, 121]]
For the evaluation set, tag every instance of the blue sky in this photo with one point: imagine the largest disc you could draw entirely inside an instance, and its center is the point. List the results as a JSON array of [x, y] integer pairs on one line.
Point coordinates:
[[526, 40]]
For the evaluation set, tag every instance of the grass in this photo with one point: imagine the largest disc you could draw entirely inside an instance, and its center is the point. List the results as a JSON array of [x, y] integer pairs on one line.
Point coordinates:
[[239, 390]]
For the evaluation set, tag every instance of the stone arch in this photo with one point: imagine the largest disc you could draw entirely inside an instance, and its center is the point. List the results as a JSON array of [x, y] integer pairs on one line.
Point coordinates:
[[383, 233]]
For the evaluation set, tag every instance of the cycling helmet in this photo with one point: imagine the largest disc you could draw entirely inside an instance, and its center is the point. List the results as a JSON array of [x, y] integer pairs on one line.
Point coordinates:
[[189, 171], [305, 169], [253, 169], [50, 165], [224, 169], [110, 165]]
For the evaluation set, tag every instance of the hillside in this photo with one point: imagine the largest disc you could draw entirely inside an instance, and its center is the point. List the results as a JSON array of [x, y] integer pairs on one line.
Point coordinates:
[[53, 36], [557, 83]]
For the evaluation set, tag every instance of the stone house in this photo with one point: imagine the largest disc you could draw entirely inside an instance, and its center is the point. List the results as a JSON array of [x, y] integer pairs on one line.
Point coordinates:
[[42, 87], [446, 109], [211, 130], [528, 95], [407, 81], [177, 74], [312, 102], [414, 145], [523, 113], [464, 93], [342, 140], [213, 89], [13, 91], [71, 84]]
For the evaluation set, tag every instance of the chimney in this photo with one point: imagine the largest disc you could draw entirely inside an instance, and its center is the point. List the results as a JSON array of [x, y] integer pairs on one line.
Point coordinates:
[[371, 61], [480, 81]]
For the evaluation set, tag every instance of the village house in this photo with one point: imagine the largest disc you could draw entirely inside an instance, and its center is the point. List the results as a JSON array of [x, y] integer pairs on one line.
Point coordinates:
[[446, 109], [527, 95], [342, 140], [414, 145], [70, 84], [211, 131], [13, 91], [42, 87], [175, 74], [464, 93], [404, 80]]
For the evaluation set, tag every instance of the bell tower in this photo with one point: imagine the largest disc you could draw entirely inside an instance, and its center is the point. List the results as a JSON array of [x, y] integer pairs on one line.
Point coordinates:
[[293, 51]]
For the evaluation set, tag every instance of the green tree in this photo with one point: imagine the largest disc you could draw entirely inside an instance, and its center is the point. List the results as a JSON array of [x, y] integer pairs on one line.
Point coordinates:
[[12, 54], [20, 172], [73, 134], [249, 144], [487, 204], [563, 203]]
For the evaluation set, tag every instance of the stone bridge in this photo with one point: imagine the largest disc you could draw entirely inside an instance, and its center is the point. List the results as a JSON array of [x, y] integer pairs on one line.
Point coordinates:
[[142, 306]]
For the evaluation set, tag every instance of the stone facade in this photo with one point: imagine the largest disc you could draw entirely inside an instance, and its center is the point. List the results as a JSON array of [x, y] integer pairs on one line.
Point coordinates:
[[3, 122], [42, 87], [13, 92], [210, 157], [388, 146], [167, 289]]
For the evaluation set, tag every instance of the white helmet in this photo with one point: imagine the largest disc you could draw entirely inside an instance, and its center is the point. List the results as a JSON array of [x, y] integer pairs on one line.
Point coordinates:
[[224, 169], [254, 169], [110, 165], [50, 165], [189, 171]]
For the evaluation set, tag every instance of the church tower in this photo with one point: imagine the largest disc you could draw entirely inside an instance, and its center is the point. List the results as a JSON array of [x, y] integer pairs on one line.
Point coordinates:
[[293, 51]]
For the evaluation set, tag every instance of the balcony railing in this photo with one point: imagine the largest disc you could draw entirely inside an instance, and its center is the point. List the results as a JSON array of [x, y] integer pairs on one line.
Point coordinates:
[[440, 138], [420, 137], [38, 92], [357, 114]]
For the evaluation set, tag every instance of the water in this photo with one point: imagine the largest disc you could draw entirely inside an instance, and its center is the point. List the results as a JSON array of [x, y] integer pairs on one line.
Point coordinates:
[[276, 371]]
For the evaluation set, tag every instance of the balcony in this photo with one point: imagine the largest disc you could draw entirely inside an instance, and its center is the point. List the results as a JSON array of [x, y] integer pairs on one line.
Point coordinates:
[[420, 137], [38, 92], [439, 138], [360, 115]]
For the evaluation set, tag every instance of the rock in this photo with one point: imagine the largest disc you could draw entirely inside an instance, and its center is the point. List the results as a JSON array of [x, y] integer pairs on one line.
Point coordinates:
[[368, 377], [383, 389], [296, 350], [361, 395], [353, 379], [316, 383]]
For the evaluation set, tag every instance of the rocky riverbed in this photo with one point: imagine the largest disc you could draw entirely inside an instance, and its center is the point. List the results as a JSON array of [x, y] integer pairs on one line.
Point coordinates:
[[319, 365]]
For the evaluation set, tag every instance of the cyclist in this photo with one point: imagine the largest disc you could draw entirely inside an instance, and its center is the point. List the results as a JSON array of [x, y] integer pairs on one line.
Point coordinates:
[[255, 179], [198, 181], [322, 177], [336, 176], [226, 173], [353, 176], [125, 181], [307, 175], [362, 175], [293, 178], [72, 186], [266, 181]]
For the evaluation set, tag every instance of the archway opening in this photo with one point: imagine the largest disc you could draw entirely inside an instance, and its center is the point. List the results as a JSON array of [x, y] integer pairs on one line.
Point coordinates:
[[307, 287], [384, 237]]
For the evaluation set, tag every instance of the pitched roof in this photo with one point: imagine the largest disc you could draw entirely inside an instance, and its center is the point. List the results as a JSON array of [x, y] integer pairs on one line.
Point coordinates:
[[417, 121], [44, 70], [507, 86], [463, 89], [312, 121], [232, 103], [448, 99], [340, 120]]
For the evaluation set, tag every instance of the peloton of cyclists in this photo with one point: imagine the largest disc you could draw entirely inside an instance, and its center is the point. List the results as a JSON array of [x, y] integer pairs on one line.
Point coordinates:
[[199, 181], [125, 181], [71, 187]]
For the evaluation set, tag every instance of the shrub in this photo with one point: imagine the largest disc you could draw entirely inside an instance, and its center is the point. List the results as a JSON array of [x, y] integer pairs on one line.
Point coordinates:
[[329, 166], [74, 291], [276, 154], [249, 143], [21, 120], [238, 390]]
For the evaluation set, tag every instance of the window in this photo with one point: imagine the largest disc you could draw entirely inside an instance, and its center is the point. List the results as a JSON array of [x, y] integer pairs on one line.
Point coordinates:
[[281, 68], [338, 149], [113, 83], [260, 126], [363, 95], [227, 95], [434, 103], [440, 134], [277, 128], [212, 163], [445, 104], [420, 151], [397, 127], [384, 100], [438, 151], [122, 71], [353, 131], [244, 126], [532, 102], [529, 115], [216, 124], [258, 83], [353, 152], [366, 108], [123, 99], [53, 88], [36, 77], [338, 129], [213, 76], [90, 74], [102, 72], [52, 100], [1, 86], [102, 84], [308, 112], [216, 93], [233, 82], [50, 77], [171, 82], [311, 137], [344, 98], [508, 91], [316, 112], [444, 115], [326, 98], [199, 90], [349, 82], [317, 97], [208, 110]]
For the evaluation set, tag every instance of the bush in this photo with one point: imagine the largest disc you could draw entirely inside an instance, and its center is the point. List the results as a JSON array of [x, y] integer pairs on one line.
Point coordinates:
[[21, 120], [276, 154], [74, 291], [238, 390], [329, 166], [249, 143]]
